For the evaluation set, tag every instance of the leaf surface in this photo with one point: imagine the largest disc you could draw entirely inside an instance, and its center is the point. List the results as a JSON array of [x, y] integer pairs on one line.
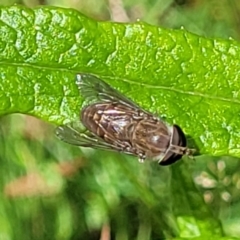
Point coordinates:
[[187, 79]]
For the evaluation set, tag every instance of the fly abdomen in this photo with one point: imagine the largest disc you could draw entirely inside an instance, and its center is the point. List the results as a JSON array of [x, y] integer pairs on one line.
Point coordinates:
[[108, 121], [92, 117]]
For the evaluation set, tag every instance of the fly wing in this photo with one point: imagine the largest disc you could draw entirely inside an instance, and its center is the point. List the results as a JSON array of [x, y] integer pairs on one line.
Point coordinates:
[[94, 89], [73, 133]]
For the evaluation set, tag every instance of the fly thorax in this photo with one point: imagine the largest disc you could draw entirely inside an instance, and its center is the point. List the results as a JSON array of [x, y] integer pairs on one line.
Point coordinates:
[[152, 136]]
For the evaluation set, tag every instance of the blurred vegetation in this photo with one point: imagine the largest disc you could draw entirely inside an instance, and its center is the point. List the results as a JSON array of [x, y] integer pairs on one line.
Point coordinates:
[[50, 190]]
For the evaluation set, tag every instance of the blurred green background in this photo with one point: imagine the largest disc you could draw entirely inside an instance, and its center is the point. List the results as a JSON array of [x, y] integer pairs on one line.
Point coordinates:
[[51, 190]]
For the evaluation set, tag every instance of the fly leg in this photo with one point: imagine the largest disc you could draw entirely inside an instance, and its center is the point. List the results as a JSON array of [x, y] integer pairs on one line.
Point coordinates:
[[182, 150], [141, 157]]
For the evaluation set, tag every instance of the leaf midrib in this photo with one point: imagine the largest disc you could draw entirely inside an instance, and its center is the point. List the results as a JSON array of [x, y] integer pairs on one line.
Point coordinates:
[[192, 93], [131, 82]]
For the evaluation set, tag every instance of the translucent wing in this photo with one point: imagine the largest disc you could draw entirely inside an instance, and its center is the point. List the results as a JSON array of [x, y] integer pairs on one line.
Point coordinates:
[[94, 89], [73, 133]]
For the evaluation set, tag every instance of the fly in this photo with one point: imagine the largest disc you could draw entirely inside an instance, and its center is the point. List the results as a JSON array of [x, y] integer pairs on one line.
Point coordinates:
[[111, 121]]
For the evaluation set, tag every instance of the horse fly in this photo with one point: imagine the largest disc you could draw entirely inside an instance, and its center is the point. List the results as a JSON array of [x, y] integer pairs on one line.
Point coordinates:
[[111, 121]]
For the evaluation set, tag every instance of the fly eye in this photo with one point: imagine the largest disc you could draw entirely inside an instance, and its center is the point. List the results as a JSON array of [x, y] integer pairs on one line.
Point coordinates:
[[178, 137], [170, 158], [177, 147]]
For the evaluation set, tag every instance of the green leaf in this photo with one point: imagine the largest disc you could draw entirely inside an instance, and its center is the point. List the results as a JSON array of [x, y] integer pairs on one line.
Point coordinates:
[[190, 80]]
